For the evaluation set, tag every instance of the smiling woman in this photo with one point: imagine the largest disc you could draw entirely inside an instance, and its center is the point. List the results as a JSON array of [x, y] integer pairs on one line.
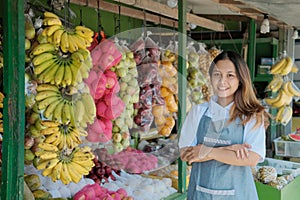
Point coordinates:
[[222, 138]]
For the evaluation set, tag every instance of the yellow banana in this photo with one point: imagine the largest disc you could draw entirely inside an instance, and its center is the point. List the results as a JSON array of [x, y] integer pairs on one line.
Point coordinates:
[[50, 124], [48, 112], [59, 75], [47, 172], [64, 43], [47, 147], [48, 164], [277, 67], [50, 21], [275, 84], [294, 89], [74, 174], [284, 100], [64, 175], [279, 114], [50, 130], [72, 44], [286, 88], [79, 41], [56, 172], [48, 14], [78, 168], [42, 48], [38, 69], [286, 115], [52, 29], [58, 141], [70, 143], [39, 59], [45, 94], [287, 67], [46, 102], [52, 137], [57, 36], [86, 31], [48, 155]]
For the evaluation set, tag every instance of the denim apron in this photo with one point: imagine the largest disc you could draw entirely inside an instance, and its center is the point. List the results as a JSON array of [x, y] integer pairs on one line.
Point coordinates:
[[213, 180]]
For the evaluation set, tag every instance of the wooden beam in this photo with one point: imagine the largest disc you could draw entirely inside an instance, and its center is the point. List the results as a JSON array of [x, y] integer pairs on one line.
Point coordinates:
[[165, 10], [126, 11], [249, 10]]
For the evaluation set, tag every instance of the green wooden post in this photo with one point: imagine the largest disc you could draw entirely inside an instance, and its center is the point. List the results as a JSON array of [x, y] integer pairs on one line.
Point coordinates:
[[12, 181], [252, 48], [181, 85]]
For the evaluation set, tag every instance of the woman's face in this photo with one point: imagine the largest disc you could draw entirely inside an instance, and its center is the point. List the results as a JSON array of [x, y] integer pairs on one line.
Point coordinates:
[[224, 81]]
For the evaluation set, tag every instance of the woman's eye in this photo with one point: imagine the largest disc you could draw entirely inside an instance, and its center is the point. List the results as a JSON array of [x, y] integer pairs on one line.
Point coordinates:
[[217, 74]]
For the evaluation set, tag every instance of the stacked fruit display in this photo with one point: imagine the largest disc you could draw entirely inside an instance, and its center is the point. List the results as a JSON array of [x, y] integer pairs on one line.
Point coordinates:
[[164, 114], [196, 79], [283, 88], [104, 87], [147, 57], [62, 106], [127, 73], [204, 63]]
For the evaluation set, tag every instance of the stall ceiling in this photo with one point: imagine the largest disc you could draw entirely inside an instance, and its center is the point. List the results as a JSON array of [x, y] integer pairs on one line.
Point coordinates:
[[285, 13]]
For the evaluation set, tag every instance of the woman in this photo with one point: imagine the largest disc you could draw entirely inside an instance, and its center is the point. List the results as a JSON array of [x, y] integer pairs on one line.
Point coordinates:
[[222, 138]]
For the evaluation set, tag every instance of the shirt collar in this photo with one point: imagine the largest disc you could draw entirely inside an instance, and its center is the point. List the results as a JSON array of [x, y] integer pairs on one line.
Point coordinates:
[[216, 111]]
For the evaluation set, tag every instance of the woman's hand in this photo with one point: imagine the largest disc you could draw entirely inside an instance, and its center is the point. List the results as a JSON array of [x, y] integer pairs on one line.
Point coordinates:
[[195, 153], [241, 150]]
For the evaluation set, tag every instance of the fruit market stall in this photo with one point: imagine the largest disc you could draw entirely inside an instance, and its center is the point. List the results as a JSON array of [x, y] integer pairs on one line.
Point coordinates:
[[102, 114]]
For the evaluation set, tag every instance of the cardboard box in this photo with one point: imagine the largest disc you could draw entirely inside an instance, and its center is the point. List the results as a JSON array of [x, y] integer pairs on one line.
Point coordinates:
[[289, 192]]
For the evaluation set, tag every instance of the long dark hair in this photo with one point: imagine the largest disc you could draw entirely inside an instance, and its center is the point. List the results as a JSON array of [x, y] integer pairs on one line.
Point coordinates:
[[246, 104]]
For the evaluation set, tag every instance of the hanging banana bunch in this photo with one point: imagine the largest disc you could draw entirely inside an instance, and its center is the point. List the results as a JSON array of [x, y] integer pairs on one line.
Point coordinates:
[[286, 90]]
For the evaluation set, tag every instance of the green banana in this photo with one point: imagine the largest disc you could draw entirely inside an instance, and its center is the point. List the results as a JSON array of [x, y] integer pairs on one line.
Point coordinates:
[[39, 59], [38, 69], [42, 48], [57, 113], [45, 94], [48, 112], [59, 74], [44, 87], [46, 102]]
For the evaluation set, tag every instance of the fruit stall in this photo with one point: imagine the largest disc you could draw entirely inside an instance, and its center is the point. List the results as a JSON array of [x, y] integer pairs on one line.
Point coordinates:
[[88, 115]]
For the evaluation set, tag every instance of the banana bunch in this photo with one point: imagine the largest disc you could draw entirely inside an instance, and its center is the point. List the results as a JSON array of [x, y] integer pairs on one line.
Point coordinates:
[[275, 84], [66, 105], [52, 66], [69, 40], [282, 99], [284, 115], [62, 135], [1, 60], [1, 106], [284, 66], [67, 165]]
